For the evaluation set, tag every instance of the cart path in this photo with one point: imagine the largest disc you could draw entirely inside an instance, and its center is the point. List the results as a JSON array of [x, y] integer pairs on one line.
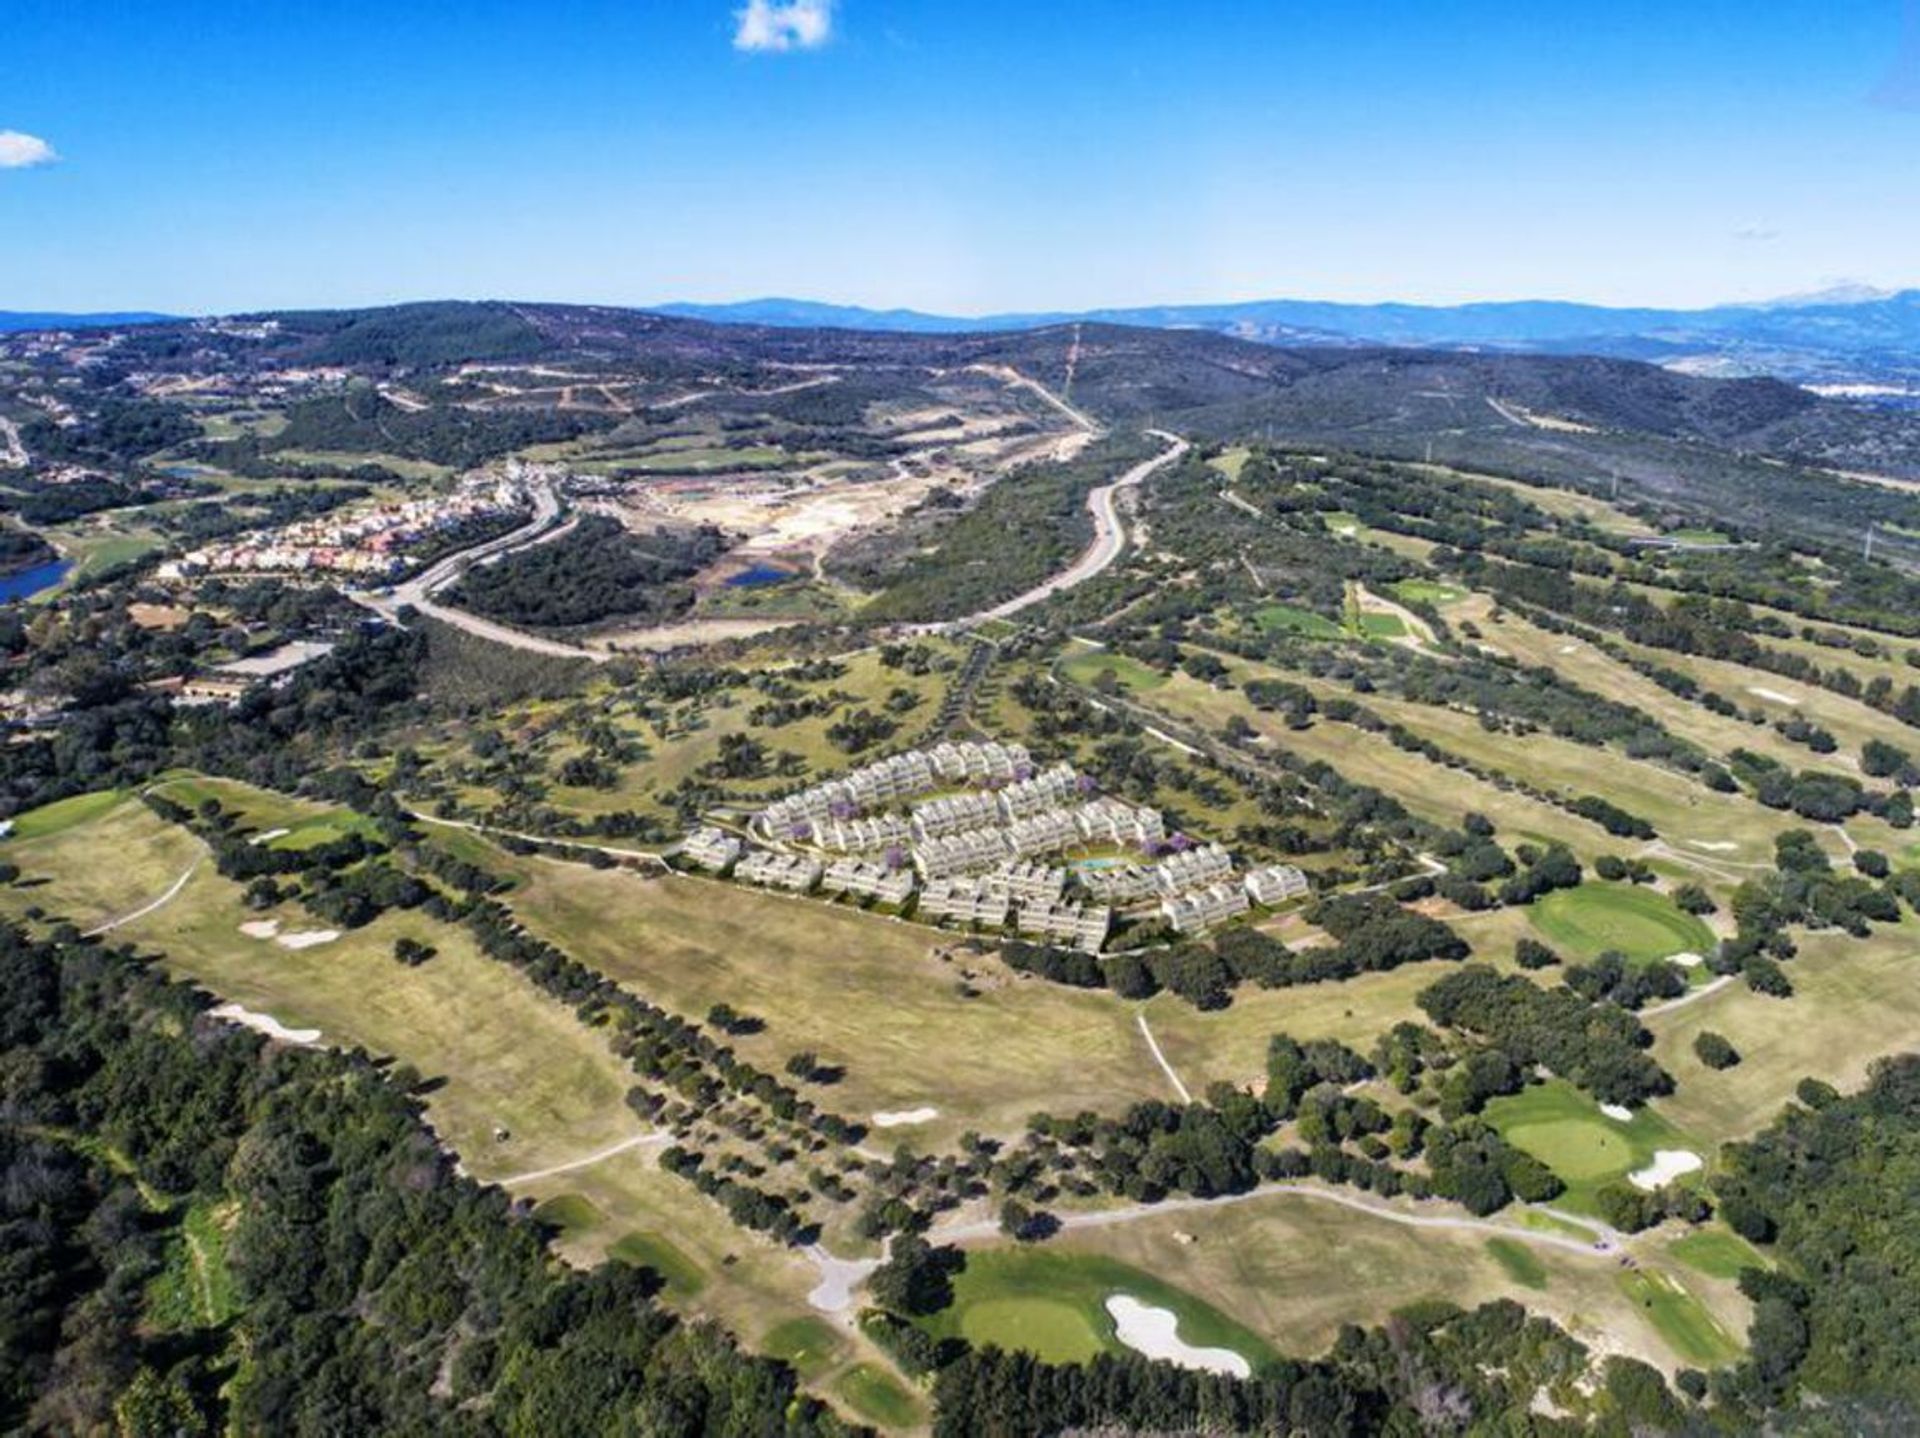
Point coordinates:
[[1161, 1059], [626, 1145]]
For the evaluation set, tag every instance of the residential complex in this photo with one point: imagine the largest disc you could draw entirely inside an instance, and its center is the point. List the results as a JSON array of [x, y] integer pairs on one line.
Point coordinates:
[[970, 826]]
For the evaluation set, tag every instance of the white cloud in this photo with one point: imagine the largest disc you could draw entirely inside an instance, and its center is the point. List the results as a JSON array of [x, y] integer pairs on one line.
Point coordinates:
[[777, 25], [18, 151]]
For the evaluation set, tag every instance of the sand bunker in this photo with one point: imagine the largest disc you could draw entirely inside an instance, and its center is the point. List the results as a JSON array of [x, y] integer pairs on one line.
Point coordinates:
[[260, 928], [1618, 1112], [1772, 696], [307, 938], [1155, 1332], [1686, 961], [1668, 1164], [905, 1118], [265, 1024], [1714, 846], [269, 836]]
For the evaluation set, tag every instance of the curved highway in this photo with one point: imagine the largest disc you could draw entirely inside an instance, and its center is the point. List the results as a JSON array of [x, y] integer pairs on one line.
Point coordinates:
[[1109, 538], [418, 591]]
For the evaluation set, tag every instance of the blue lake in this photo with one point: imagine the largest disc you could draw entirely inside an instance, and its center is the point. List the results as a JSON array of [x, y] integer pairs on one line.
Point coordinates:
[[25, 582], [760, 576]]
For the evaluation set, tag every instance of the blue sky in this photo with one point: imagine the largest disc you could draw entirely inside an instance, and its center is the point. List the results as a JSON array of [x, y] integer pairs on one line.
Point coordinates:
[[955, 155]]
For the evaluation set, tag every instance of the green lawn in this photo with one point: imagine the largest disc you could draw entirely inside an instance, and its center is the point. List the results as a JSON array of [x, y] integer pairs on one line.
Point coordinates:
[[809, 1344], [1297, 621], [1692, 1331], [194, 1289], [1522, 1265], [1052, 1303], [1383, 626], [568, 1212], [1716, 1252], [877, 1397], [648, 1250], [1428, 591], [1564, 1128], [64, 814], [1087, 665], [1639, 923]]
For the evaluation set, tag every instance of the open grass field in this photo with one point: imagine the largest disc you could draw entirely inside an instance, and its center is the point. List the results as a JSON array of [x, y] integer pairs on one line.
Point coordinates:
[[1851, 722], [61, 862], [1383, 626], [872, 994], [1294, 620], [510, 1058], [1682, 810], [860, 991], [64, 814], [811, 1345], [1717, 1252], [1587, 666], [681, 1274], [1231, 461], [1519, 1261], [1051, 1302], [1689, 1328], [1565, 1130], [1643, 925], [1085, 666], [1428, 591], [873, 1393], [1435, 793], [1854, 1000], [1293, 1270]]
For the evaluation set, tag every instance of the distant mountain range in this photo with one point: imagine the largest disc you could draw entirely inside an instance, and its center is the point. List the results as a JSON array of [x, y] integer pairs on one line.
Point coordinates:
[[14, 321], [1848, 335]]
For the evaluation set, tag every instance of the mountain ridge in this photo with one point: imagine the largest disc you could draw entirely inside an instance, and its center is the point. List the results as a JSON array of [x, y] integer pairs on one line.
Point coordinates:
[[1829, 335]]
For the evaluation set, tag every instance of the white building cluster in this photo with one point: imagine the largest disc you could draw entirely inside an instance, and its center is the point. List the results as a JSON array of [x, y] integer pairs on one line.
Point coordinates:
[[796, 873], [966, 827], [367, 541], [711, 848], [868, 881], [1214, 903], [886, 783]]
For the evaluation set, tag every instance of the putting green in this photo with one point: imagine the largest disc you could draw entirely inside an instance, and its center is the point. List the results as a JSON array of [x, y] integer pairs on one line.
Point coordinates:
[[1587, 921], [1565, 1130], [1297, 621], [1576, 1149], [1049, 1329], [1052, 1303]]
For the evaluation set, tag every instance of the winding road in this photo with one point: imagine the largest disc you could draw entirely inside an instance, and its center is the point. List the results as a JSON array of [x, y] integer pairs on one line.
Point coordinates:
[[1109, 539], [418, 591]]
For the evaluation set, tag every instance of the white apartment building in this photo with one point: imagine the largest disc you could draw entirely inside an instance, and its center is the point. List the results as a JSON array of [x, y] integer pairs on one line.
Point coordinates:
[[1203, 908], [1276, 884], [711, 848]]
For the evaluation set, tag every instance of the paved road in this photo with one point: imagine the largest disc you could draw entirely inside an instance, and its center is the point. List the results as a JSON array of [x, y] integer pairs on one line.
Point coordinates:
[[418, 591], [1109, 539]]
